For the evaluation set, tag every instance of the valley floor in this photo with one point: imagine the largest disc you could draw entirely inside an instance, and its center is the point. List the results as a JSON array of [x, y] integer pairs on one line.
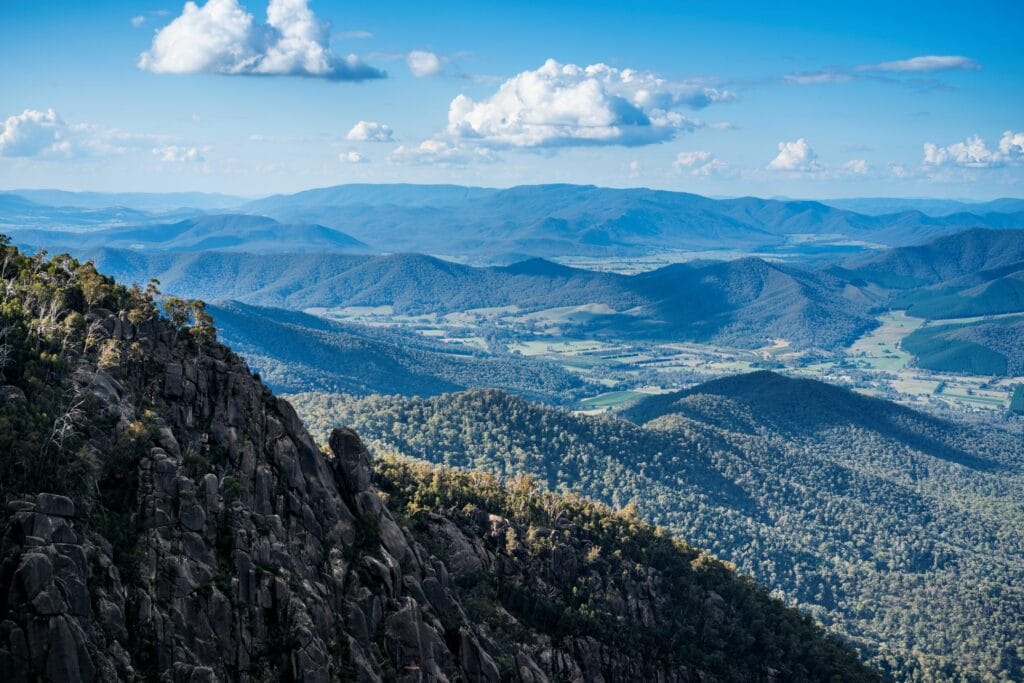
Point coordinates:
[[622, 371]]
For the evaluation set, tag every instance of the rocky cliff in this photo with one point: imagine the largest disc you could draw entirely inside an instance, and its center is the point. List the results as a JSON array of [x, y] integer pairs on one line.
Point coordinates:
[[167, 518]]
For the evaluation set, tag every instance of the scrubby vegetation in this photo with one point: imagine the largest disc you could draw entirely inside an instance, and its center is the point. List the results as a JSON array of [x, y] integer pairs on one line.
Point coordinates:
[[54, 314], [899, 531], [564, 564]]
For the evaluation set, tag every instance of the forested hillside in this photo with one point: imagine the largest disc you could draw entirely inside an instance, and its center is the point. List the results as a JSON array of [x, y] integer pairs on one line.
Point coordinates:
[[166, 517], [746, 302], [900, 531], [298, 352], [992, 346], [972, 273]]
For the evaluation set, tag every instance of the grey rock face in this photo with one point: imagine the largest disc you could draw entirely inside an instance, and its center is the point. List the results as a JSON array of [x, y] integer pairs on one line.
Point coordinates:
[[242, 552], [216, 542]]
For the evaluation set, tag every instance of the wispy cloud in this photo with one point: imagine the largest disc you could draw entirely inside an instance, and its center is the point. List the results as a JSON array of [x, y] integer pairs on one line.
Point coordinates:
[[180, 154], [355, 35], [352, 157], [699, 163], [223, 37], [887, 71], [925, 64], [818, 77], [441, 152], [45, 135]]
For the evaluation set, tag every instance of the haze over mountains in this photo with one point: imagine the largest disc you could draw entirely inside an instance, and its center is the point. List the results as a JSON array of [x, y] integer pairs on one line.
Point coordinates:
[[549, 220], [877, 206], [329, 235], [505, 225], [227, 232]]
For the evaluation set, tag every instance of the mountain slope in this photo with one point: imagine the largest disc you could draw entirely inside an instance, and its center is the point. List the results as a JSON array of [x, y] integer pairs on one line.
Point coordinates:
[[973, 254], [747, 302], [139, 201], [167, 517], [498, 226], [986, 347], [972, 273], [299, 352], [551, 220], [898, 530], [225, 232]]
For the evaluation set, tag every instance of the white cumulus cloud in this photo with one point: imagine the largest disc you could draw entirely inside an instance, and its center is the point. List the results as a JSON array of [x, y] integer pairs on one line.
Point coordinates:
[[564, 104], [369, 131], [974, 152], [1012, 144], [699, 163], [179, 154], [423, 64], [138, 21], [34, 133], [856, 167], [44, 134], [794, 156], [223, 37]]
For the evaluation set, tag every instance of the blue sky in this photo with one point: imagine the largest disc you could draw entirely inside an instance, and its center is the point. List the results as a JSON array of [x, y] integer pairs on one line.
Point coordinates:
[[805, 100]]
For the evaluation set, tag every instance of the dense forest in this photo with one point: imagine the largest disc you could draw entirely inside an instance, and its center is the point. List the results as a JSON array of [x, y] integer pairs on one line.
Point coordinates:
[[166, 517], [992, 346], [897, 530], [971, 273], [294, 351]]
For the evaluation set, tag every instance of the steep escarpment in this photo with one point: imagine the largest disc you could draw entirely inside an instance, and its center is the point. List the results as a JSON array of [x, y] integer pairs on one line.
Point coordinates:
[[166, 517]]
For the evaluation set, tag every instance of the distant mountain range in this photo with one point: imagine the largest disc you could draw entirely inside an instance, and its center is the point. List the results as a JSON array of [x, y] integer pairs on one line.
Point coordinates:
[[507, 225], [877, 206], [139, 201], [225, 232], [882, 522], [551, 220], [18, 213], [746, 302]]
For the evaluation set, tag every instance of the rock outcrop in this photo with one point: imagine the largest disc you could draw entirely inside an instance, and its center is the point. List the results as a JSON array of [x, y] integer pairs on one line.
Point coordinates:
[[194, 532], [251, 555]]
